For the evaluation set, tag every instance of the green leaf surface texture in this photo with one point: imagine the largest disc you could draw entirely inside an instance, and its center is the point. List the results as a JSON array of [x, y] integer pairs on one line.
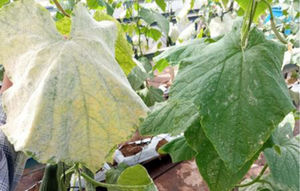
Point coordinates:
[[134, 178], [63, 25], [137, 77], [285, 164], [3, 2], [162, 4], [210, 165], [177, 54], [151, 95], [151, 17], [178, 149], [123, 50], [241, 94], [173, 117], [70, 100], [112, 175]]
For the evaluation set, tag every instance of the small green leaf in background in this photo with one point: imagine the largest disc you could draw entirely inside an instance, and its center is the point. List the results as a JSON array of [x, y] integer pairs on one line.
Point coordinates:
[[1, 72], [225, 2], [137, 77], [175, 55], [93, 4], [113, 174], [150, 17], [3, 2], [178, 149], [63, 25], [285, 166], [134, 178], [160, 65], [154, 34], [161, 4], [146, 63], [173, 117], [260, 9], [151, 95], [296, 5], [123, 50]]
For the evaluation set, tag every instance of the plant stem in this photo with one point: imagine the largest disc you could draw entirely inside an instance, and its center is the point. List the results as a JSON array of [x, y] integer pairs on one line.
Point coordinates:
[[273, 25], [88, 186], [79, 179], [257, 179], [138, 27], [60, 8], [248, 18], [105, 185]]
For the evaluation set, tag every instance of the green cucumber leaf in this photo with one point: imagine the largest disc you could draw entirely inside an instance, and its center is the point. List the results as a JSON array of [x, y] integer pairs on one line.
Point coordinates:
[[70, 95], [123, 50], [174, 117], [177, 54], [162, 4], [63, 25], [210, 165], [151, 95], [154, 34], [284, 162], [94, 4], [160, 65], [4, 2], [113, 174], [134, 178], [137, 77], [178, 149], [241, 93], [151, 17]]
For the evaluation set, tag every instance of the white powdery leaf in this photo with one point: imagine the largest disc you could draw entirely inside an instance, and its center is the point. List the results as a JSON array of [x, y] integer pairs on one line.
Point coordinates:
[[70, 100]]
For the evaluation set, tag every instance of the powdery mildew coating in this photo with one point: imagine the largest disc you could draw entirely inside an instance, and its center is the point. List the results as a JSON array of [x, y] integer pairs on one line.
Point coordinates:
[[70, 100]]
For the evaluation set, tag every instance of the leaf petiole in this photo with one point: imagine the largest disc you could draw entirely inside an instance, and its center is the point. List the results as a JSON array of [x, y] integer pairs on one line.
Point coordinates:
[[257, 179], [273, 26], [60, 8]]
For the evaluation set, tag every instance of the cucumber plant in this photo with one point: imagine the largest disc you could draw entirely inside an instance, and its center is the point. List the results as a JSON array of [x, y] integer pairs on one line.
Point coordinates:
[[71, 101]]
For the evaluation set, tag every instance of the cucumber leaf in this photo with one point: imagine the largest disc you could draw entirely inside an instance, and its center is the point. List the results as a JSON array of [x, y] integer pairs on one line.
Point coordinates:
[[283, 159], [178, 149], [173, 117], [151, 17], [63, 25], [70, 100], [113, 174], [210, 165], [4, 2], [151, 95], [162, 4], [241, 93], [134, 178], [123, 50]]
